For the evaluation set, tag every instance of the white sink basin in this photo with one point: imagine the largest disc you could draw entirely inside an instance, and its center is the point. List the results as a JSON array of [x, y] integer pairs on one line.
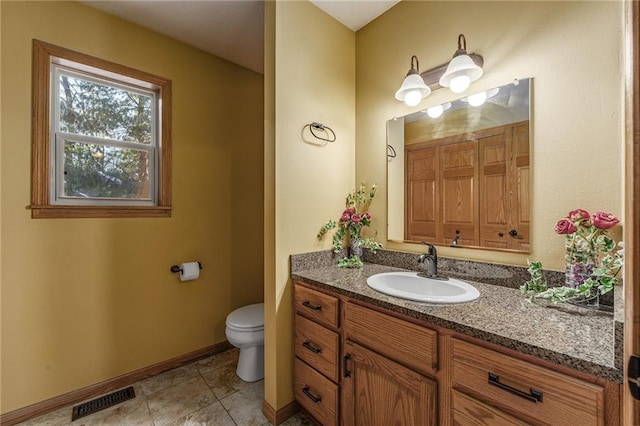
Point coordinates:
[[408, 285]]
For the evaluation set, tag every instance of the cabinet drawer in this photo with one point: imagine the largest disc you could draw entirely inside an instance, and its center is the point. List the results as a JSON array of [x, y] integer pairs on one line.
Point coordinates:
[[530, 392], [316, 394], [403, 341], [467, 411], [320, 307], [317, 346]]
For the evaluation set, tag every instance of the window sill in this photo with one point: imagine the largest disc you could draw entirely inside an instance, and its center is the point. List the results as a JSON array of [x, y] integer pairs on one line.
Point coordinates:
[[52, 212]]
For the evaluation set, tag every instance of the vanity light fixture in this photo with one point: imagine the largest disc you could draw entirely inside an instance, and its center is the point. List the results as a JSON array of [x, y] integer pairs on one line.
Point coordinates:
[[413, 89], [462, 70], [437, 110]]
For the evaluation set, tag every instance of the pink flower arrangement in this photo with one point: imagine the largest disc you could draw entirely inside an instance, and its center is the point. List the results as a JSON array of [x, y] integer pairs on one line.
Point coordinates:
[[580, 217], [351, 223], [592, 261], [586, 234]]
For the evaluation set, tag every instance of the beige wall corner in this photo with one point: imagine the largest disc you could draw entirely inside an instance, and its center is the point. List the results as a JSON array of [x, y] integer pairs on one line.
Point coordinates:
[[314, 82], [270, 328]]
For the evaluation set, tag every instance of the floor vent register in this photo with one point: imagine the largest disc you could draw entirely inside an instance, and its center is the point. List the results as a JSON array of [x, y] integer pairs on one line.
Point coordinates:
[[105, 401]]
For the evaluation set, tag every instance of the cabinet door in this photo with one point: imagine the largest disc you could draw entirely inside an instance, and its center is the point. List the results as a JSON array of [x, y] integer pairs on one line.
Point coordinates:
[[378, 391], [520, 188], [459, 192], [421, 207], [495, 203], [504, 182]]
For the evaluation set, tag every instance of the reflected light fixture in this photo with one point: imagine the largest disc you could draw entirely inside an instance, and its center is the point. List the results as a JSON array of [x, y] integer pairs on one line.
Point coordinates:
[[413, 89], [461, 71], [437, 110], [478, 99]]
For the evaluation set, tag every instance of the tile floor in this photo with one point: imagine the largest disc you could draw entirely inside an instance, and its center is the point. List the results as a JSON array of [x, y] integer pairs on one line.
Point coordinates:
[[204, 393]]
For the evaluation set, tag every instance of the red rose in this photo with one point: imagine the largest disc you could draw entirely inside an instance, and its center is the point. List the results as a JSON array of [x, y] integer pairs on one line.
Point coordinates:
[[579, 215], [604, 220], [356, 218], [565, 226]]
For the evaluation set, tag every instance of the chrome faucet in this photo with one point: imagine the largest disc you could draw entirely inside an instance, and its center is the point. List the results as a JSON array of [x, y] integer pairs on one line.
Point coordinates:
[[431, 258]]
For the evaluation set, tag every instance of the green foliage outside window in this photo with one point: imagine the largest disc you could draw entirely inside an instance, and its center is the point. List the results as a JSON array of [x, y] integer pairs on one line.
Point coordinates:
[[105, 169]]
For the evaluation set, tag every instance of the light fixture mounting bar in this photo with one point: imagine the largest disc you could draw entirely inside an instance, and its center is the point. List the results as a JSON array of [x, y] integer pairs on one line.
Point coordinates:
[[432, 77]]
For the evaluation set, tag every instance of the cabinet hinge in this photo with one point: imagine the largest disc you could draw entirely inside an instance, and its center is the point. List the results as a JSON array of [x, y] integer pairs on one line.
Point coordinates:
[[633, 372]]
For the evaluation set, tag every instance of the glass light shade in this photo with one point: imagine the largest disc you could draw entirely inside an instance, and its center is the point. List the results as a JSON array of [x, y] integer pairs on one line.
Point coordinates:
[[460, 83], [413, 90], [477, 99], [413, 98], [460, 66]]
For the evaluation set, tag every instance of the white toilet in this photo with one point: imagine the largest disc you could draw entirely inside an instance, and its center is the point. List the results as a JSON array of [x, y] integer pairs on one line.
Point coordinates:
[[245, 330]]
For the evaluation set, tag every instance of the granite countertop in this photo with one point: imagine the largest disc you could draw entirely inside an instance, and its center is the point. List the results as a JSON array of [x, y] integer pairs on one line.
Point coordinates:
[[578, 338]]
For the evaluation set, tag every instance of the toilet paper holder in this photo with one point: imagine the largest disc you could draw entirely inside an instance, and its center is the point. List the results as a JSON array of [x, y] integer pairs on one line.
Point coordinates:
[[176, 268]]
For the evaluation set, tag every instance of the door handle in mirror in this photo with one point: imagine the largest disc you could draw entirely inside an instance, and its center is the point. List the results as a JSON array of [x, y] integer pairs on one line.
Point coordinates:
[[514, 234]]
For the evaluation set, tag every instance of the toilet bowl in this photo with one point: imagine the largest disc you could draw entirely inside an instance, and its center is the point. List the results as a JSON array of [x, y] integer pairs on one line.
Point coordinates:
[[245, 330]]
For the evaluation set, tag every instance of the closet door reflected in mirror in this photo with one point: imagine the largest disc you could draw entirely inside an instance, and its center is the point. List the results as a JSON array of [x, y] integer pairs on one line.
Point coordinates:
[[463, 178]]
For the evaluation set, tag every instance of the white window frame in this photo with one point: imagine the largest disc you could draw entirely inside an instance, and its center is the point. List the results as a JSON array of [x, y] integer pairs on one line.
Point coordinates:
[[58, 137]]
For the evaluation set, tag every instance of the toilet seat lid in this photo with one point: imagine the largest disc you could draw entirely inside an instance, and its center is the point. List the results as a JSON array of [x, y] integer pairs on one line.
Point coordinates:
[[248, 317]]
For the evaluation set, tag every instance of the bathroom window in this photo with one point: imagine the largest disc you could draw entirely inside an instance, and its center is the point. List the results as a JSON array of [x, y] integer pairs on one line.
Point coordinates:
[[101, 138]]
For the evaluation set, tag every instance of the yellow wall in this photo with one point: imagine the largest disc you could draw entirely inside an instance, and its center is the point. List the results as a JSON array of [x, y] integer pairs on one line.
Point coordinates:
[[314, 80], [85, 300], [573, 51]]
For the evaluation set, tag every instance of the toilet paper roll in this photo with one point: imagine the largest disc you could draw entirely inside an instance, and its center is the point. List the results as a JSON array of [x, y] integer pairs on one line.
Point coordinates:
[[189, 271]]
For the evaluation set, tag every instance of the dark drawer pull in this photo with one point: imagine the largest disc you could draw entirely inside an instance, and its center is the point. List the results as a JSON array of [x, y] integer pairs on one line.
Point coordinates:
[[307, 344], [533, 395], [345, 365], [311, 396], [312, 306]]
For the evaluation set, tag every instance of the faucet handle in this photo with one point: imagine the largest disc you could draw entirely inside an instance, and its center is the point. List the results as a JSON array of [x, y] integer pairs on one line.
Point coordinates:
[[432, 248]]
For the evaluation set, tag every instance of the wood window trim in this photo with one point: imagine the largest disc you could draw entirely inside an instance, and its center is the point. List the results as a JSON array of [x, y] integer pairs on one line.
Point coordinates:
[[41, 206]]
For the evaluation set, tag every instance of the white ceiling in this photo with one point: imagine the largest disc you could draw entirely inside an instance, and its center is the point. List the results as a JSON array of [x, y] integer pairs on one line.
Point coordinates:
[[230, 29]]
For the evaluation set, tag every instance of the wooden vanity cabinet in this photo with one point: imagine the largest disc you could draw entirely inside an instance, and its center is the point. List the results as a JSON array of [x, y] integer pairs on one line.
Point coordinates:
[[317, 349], [374, 368]]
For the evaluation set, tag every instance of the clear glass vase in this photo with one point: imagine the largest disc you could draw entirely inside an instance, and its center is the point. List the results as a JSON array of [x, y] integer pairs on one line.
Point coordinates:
[[591, 301], [576, 272], [580, 259], [355, 248]]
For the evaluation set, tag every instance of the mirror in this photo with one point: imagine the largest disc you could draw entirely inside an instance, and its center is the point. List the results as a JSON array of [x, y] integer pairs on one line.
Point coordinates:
[[458, 173]]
